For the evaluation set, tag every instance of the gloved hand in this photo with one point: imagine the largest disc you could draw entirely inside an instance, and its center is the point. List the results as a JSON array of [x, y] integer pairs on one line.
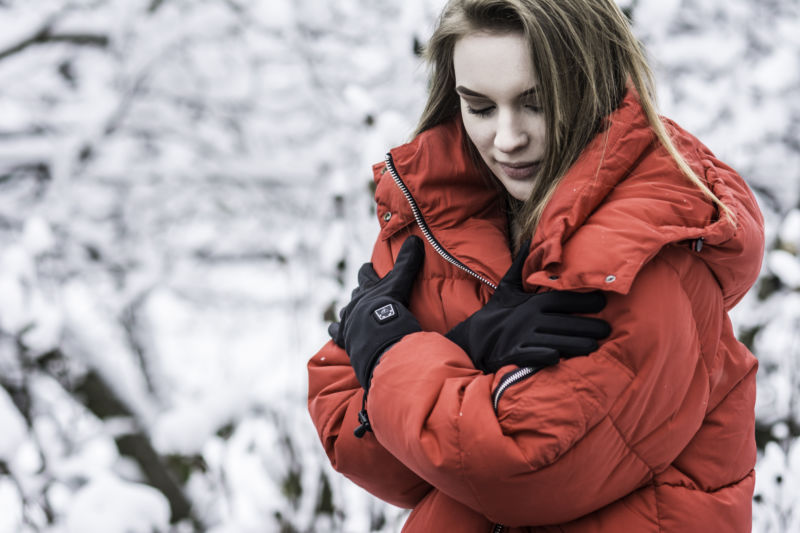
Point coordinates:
[[526, 329], [376, 316]]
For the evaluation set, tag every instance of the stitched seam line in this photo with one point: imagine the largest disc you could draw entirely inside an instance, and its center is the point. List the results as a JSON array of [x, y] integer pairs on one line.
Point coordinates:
[[658, 508], [649, 468], [630, 448], [735, 387], [727, 486]]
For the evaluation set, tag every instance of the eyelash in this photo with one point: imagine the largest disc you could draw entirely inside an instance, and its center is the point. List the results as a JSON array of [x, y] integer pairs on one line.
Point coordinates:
[[480, 112], [486, 111]]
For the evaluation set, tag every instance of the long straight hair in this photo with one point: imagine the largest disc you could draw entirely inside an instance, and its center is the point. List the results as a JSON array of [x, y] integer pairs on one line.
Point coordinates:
[[584, 54]]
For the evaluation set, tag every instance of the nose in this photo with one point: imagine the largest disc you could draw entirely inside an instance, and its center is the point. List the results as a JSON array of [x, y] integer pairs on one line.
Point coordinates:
[[510, 134]]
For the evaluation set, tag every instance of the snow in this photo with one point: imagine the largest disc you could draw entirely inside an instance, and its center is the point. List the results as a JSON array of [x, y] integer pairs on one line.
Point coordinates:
[[786, 266], [778, 488], [11, 517], [14, 427], [109, 505], [709, 51], [790, 231], [37, 237], [17, 273], [185, 428], [26, 462], [277, 14], [96, 457], [651, 17], [778, 72], [43, 333], [12, 304]]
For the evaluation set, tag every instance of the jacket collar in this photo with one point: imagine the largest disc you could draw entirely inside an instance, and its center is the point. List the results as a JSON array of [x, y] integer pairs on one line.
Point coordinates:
[[463, 208]]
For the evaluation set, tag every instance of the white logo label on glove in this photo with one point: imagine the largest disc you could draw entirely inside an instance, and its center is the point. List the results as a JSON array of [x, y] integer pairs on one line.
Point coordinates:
[[387, 312]]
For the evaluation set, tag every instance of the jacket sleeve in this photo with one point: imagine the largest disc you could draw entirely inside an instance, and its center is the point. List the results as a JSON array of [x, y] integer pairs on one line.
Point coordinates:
[[566, 441], [334, 400]]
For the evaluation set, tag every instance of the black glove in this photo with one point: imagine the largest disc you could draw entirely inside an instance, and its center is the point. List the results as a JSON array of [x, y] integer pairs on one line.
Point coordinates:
[[526, 329], [376, 316]]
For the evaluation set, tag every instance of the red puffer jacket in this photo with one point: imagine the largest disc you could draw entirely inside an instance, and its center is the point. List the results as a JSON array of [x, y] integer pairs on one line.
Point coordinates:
[[652, 432]]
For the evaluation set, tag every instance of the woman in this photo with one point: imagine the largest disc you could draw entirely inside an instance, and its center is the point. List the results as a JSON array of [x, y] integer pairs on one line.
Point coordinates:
[[494, 403]]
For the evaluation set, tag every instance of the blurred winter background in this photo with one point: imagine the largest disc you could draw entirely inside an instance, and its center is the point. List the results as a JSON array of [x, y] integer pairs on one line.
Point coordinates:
[[185, 198]]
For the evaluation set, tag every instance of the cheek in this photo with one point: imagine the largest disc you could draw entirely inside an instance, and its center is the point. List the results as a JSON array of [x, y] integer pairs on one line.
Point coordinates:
[[478, 130], [539, 129]]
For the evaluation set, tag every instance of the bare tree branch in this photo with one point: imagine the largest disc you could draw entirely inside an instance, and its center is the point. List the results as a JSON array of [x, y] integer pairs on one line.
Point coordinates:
[[40, 170], [46, 35], [129, 321]]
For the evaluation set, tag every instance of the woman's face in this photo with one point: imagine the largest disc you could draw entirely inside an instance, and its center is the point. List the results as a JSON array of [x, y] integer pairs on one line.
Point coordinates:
[[500, 106]]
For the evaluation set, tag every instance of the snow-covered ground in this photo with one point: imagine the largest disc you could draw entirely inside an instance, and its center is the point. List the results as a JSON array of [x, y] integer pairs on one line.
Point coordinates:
[[184, 199]]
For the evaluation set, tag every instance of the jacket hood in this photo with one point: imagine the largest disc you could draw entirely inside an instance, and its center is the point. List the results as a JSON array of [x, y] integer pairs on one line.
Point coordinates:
[[625, 199], [615, 209]]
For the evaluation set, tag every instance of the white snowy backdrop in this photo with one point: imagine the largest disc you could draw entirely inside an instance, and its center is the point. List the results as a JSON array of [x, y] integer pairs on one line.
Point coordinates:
[[185, 199]]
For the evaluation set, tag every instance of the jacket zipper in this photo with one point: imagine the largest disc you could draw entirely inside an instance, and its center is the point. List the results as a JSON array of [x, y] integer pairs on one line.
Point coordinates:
[[423, 226], [508, 379]]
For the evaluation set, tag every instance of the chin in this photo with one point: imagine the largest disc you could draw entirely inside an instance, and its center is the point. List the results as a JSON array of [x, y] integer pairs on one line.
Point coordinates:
[[519, 192]]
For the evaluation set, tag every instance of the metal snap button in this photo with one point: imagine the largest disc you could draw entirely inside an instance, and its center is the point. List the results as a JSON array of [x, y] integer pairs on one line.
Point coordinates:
[[387, 216], [611, 278]]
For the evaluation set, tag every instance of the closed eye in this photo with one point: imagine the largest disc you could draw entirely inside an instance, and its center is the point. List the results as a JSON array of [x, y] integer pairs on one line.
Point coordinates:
[[481, 112]]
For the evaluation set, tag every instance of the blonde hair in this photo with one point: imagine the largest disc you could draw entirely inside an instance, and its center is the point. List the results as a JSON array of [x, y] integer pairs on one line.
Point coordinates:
[[584, 54]]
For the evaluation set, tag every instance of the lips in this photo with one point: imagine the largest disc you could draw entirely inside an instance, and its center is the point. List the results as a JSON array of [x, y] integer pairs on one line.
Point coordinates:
[[519, 171]]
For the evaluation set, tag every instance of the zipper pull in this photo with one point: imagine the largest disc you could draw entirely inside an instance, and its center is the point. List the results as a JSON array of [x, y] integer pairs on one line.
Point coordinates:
[[363, 418], [365, 425]]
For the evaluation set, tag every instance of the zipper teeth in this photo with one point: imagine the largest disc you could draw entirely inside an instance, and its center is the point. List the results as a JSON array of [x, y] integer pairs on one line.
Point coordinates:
[[509, 380], [498, 528], [423, 226]]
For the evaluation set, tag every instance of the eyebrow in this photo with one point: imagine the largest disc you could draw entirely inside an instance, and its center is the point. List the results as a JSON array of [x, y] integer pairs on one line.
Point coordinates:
[[463, 91]]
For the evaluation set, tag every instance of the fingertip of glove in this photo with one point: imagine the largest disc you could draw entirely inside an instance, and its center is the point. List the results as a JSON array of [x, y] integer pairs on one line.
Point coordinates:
[[412, 253], [366, 277], [333, 330], [595, 301], [604, 330], [414, 243]]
